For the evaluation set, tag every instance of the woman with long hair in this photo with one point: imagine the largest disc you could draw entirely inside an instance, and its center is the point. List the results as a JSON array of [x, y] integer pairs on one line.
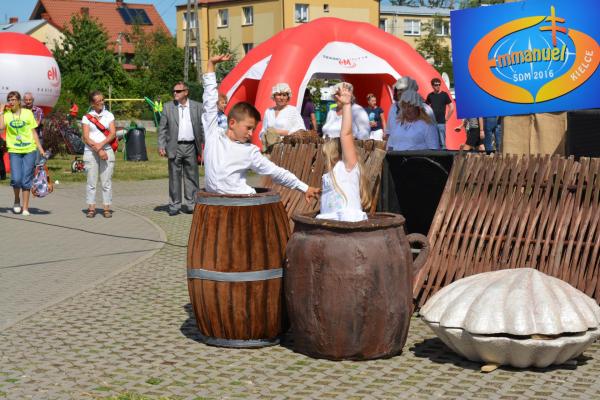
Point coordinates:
[[345, 190]]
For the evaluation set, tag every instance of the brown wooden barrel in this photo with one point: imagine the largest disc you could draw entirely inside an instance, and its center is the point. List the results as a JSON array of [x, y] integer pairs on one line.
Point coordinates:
[[348, 286], [236, 251]]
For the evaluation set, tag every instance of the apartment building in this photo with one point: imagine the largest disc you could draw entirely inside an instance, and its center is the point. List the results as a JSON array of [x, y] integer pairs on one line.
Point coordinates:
[[247, 23], [407, 22]]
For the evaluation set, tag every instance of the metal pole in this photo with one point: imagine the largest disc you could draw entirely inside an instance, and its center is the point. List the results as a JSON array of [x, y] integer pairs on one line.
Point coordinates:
[[198, 44], [186, 63]]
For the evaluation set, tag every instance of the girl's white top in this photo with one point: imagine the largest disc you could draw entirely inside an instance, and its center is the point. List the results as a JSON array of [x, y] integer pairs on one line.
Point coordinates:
[[361, 129], [226, 162], [105, 118], [288, 119], [333, 204]]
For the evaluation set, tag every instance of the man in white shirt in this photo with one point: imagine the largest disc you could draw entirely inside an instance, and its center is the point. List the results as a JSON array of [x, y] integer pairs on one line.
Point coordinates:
[[180, 139], [229, 154]]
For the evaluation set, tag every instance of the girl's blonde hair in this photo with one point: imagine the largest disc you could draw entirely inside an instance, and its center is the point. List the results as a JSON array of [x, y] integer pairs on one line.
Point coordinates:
[[332, 151]]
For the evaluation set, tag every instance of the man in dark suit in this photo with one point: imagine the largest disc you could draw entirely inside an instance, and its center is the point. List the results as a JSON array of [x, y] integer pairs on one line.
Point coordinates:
[[180, 138]]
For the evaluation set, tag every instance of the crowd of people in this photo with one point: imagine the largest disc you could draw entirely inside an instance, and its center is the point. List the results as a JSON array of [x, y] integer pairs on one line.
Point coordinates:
[[189, 130]]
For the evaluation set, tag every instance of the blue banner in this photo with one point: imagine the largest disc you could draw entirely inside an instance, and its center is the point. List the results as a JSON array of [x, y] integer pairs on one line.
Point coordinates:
[[527, 57]]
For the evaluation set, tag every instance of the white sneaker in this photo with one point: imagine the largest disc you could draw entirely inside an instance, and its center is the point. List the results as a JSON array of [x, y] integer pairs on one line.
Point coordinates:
[[16, 208], [25, 213]]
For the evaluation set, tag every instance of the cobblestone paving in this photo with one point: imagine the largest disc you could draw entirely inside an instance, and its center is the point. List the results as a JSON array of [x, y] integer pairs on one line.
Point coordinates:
[[134, 333]]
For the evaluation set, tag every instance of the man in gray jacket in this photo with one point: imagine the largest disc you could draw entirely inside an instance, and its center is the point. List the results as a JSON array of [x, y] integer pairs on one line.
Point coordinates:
[[180, 138]]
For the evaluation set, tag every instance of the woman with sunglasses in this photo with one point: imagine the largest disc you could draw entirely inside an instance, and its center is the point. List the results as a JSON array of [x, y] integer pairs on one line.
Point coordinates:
[[98, 156], [22, 143]]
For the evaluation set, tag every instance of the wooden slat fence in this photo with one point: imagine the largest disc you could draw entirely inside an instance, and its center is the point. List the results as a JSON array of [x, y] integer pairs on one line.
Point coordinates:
[[500, 212], [301, 154]]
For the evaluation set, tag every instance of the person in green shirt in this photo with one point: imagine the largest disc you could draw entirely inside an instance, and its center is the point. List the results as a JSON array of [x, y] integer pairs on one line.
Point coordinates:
[[22, 143]]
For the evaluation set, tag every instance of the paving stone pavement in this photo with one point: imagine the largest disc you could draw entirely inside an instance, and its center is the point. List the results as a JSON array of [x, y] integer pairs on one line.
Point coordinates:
[[133, 332], [56, 252]]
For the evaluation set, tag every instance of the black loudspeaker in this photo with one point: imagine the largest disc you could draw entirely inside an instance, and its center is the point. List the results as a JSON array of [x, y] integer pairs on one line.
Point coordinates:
[[583, 133], [412, 185]]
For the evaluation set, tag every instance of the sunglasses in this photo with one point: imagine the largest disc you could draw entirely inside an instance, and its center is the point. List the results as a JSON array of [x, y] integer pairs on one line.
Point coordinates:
[[179, 90], [437, 84]]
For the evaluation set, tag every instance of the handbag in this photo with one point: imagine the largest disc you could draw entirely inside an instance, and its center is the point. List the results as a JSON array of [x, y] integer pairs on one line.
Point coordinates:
[[115, 143], [270, 138], [41, 185]]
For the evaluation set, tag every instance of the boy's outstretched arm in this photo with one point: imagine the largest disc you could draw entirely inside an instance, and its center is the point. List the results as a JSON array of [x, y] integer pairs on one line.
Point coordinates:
[[263, 166]]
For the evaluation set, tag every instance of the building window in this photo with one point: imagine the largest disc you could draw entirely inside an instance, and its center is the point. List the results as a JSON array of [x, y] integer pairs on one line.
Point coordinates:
[[383, 24], [247, 47], [223, 18], [325, 8], [301, 14], [248, 15], [412, 27], [191, 21], [442, 28]]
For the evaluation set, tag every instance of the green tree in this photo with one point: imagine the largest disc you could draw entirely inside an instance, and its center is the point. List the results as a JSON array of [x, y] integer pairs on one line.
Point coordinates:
[[425, 3], [433, 49], [477, 3], [222, 46], [404, 2], [86, 61], [158, 61]]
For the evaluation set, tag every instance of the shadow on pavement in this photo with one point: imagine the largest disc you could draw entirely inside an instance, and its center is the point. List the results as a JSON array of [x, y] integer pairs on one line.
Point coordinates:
[[92, 232], [163, 208], [32, 210], [189, 328], [435, 350]]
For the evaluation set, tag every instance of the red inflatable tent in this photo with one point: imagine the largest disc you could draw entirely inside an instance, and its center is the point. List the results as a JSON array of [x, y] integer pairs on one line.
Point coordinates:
[[371, 59]]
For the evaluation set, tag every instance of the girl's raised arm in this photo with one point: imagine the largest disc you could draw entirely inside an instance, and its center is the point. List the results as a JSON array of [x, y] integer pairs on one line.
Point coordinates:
[[344, 95]]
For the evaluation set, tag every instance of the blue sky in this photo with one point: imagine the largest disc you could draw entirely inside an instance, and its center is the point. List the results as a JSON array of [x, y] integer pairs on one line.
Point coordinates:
[[23, 9]]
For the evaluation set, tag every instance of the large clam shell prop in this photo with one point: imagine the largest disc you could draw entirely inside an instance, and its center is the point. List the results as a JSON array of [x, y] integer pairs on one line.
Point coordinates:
[[518, 317]]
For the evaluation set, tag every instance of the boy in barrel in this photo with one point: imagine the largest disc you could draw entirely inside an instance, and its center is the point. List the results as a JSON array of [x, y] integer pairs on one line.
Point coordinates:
[[229, 154]]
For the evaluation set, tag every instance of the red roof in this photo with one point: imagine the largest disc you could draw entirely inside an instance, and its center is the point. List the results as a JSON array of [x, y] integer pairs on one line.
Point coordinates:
[[59, 14]]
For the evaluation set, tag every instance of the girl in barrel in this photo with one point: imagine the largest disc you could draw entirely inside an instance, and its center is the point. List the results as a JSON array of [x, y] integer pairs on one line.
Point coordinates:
[[345, 189]]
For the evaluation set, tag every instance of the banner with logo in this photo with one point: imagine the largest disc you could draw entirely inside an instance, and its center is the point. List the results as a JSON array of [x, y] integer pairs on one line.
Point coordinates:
[[526, 57]]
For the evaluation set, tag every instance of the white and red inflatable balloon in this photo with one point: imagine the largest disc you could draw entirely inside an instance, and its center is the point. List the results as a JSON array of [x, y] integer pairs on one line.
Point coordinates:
[[357, 52], [26, 65]]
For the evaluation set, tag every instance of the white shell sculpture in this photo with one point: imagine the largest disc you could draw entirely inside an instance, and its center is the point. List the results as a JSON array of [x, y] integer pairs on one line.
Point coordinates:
[[519, 317]]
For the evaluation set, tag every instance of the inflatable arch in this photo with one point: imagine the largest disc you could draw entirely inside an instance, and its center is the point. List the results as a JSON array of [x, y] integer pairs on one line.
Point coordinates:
[[371, 59]]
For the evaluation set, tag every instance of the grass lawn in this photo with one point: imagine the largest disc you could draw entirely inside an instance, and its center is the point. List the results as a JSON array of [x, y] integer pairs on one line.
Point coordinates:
[[155, 168]]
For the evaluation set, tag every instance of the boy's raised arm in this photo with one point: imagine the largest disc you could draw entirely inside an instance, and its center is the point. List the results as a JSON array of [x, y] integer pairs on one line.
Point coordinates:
[[211, 95]]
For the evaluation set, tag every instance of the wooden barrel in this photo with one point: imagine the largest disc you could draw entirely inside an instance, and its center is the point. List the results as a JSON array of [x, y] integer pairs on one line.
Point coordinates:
[[236, 251], [348, 286]]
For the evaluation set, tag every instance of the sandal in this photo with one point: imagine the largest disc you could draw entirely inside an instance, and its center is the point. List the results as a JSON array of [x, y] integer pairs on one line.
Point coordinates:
[[107, 213], [91, 213]]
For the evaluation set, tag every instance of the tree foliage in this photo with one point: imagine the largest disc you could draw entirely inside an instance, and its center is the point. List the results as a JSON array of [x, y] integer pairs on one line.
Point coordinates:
[[222, 46], [445, 3], [86, 61], [425, 3], [432, 47], [158, 61], [477, 3]]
